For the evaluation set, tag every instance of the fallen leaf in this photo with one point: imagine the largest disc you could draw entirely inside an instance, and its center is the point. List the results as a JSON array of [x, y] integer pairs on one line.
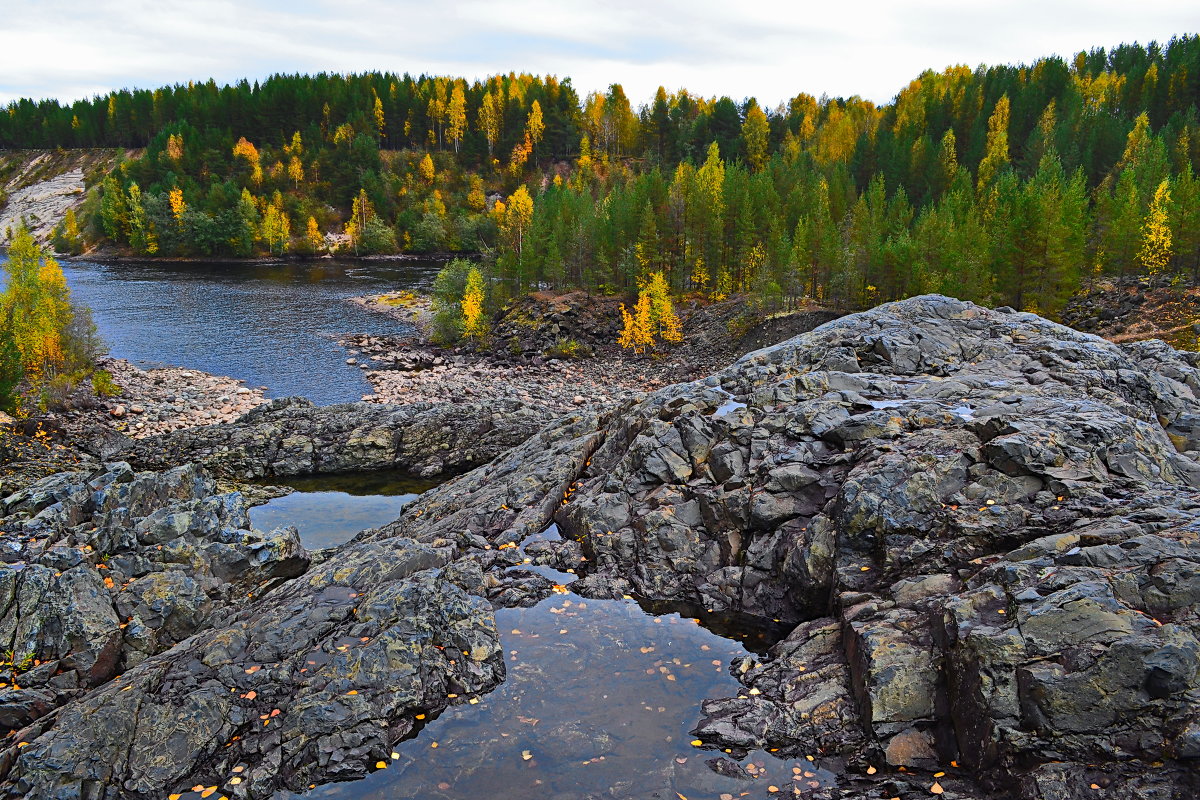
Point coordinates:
[[697, 743], [526, 755], [871, 770], [380, 765], [936, 788]]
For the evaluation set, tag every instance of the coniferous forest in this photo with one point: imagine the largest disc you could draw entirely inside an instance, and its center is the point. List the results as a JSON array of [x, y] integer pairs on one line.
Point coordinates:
[[1003, 184]]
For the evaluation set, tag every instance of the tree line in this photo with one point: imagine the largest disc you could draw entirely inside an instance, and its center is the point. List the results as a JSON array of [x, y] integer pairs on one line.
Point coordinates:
[[1004, 184]]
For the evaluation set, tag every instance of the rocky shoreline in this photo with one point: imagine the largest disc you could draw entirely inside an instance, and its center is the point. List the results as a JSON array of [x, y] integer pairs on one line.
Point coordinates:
[[163, 399], [980, 528], [522, 359]]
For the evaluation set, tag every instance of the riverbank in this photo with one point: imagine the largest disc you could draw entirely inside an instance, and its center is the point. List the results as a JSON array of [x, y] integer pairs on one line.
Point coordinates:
[[556, 351]]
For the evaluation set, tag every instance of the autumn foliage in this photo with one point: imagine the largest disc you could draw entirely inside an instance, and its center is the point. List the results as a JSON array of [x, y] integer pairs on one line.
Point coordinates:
[[45, 344]]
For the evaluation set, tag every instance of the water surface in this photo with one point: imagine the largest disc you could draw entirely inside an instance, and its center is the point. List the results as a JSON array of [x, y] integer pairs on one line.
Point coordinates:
[[328, 510], [271, 325]]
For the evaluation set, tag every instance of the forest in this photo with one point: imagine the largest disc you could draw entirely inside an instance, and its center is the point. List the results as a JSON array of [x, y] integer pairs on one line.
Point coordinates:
[[1006, 184]]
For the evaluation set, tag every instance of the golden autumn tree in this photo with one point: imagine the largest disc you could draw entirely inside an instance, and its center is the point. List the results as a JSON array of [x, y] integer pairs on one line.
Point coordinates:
[[296, 170], [380, 122], [35, 310], [664, 322], [489, 120], [313, 236], [276, 227], [178, 205], [535, 126], [246, 151], [456, 115], [636, 333], [1155, 253], [755, 132], [175, 147], [995, 156], [425, 169], [474, 322]]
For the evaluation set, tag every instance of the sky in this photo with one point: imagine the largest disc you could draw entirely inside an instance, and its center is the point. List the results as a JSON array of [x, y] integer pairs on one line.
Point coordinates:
[[762, 48]]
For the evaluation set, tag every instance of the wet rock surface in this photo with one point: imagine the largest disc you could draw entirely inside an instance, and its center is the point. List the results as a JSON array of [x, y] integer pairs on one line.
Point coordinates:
[[980, 528]]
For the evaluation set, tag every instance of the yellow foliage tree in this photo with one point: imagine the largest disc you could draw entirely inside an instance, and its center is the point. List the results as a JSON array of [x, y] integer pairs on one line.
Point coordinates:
[[315, 240], [664, 322], [489, 120], [426, 170], [535, 126], [635, 328], [380, 123], [474, 323], [178, 206], [244, 149], [175, 148], [35, 309], [296, 170], [1155, 253], [457, 115], [755, 132]]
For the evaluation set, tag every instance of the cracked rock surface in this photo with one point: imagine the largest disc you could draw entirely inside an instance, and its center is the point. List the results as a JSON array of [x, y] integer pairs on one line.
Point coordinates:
[[979, 526]]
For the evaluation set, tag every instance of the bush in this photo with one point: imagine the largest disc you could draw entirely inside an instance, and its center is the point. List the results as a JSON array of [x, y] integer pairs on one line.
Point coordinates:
[[568, 349], [103, 385]]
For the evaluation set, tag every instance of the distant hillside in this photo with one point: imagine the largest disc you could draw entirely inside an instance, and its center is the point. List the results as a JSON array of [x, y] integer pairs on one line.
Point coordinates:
[[1005, 184]]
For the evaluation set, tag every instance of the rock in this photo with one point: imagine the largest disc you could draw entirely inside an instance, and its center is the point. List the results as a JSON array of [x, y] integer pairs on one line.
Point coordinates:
[[974, 567], [290, 437]]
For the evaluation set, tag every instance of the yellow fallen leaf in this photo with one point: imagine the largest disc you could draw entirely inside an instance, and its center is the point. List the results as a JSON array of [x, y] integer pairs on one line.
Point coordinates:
[[681, 797], [939, 774], [696, 743], [395, 756], [936, 788], [380, 765], [526, 755], [433, 744], [419, 716], [209, 792], [234, 781], [174, 796]]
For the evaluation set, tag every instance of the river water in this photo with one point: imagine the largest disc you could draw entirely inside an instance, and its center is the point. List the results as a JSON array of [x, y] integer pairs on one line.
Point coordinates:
[[271, 325]]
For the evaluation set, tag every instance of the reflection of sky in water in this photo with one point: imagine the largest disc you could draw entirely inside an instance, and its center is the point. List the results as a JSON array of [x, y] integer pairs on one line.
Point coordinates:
[[269, 324], [325, 519], [600, 696]]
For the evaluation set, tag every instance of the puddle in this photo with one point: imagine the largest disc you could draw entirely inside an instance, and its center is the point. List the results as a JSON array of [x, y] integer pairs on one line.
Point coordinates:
[[598, 702], [330, 509], [729, 406]]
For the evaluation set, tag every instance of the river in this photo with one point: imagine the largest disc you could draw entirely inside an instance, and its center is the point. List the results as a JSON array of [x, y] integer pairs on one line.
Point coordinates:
[[271, 325]]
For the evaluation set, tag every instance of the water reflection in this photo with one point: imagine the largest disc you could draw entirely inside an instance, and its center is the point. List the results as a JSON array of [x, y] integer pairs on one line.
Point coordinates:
[[328, 510]]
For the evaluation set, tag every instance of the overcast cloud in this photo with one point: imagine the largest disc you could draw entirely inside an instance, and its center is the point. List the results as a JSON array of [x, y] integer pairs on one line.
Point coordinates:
[[770, 50]]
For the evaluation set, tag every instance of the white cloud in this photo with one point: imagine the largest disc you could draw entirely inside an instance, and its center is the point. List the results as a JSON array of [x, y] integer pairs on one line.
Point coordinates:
[[769, 49]]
